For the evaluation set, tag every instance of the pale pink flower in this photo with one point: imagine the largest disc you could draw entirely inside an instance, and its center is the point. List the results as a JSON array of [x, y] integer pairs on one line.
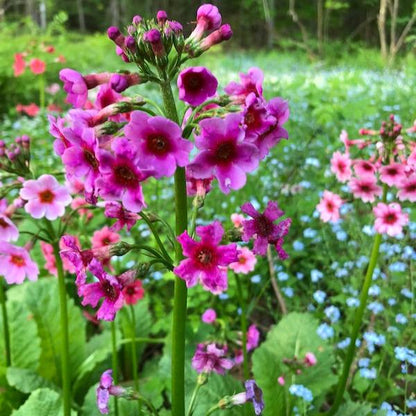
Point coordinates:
[[328, 207], [310, 359], [45, 197], [407, 189], [16, 264], [208, 358], [237, 220], [365, 188], [8, 231], [102, 241], [246, 261], [393, 174], [389, 218], [341, 166], [281, 380]]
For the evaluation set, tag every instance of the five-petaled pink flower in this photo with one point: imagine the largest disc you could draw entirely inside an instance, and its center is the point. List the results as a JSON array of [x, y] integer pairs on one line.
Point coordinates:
[[393, 174], [196, 84], [37, 66], [209, 358], [389, 218], [365, 188], [133, 292], [407, 189], [263, 229], [329, 206], [246, 261], [45, 197], [250, 82], [8, 231], [124, 217], [16, 264], [341, 166], [206, 260]]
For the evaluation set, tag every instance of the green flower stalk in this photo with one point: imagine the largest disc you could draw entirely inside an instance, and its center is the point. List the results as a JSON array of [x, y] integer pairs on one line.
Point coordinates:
[[6, 334]]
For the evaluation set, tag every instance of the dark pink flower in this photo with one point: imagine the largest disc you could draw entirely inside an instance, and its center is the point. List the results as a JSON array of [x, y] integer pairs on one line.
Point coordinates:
[[209, 358], [120, 176], [159, 142], [407, 189], [262, 227], [105, 389], [124, 217], [133, 292], [107, 288], [220, 35], [252, 82], [206, 260], [253, 337], [208, 18], [364, 168], [45, 197], [8, 231], [389, 218], [310, 359], [16, 264], [196, 84], [365, 188], [209, 316], [329, 206], [154, 37], [37, 66], [224, 153]]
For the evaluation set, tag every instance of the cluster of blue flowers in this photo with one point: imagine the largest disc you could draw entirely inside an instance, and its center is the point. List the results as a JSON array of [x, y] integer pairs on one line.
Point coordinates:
[[301, 391]]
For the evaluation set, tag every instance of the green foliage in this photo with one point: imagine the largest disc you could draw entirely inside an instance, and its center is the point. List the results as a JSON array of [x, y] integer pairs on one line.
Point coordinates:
[[294, 336], [354, 409], [26, 380]]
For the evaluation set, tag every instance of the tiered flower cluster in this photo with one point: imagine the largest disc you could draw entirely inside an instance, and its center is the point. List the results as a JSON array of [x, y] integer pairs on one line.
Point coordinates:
[[385, 160]]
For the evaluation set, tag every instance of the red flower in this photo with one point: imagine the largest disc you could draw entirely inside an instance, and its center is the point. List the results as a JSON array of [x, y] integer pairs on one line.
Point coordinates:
[[37, 66], [19, 64]]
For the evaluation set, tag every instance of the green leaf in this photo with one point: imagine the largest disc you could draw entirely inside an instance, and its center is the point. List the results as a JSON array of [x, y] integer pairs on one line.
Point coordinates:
[[294, 336], [26, 380], [41, 402], [354, 409]]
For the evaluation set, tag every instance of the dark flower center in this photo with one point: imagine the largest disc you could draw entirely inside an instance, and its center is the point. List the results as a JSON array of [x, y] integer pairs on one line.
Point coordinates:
[[193, 82], [264, 226], [329, 206], [205, 256], [225, 152], [17, 260], [3, 223], [341, 166], [367, 166], [411, 187], [392, 171], [130, 290], [125, 176], [105, 241], [91, 159], [390, 218], [109, 291], [258, 394], [158, 144], [365, 188], [46, 197], [252, 118]]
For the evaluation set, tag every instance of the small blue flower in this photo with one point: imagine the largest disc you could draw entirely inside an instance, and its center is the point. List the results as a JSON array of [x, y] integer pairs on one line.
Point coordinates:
[[325, 331], [299, 276], [369, 230], [374, 290], [353, 302], [391, 301], [341, 273], [256, 278], [316, 275], [319, 296], [344, 343], [309, 233], [288, 291], [401, 319], [363, 362], [406, 293], [375, 307], [373, 340], [301, 391], [332, 313], [398, 266], [298, 245], [341, 235], [282, 276], [370, 373], [411, 403]]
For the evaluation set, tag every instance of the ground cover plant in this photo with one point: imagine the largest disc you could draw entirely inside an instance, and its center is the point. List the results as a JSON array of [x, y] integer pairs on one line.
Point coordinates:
[[273, 322]]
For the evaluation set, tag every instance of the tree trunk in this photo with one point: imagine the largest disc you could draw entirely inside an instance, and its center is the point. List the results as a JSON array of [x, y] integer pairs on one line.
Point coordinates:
[[268, 7], [115, 13], [81, 16], [30, 9], [381, 22], [320, 26], [393, 15]]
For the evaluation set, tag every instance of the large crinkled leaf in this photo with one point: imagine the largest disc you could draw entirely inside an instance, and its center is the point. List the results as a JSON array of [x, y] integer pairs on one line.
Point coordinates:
[[24, 340], [10, 398], [294, 336], [26, 380], [354, 409]]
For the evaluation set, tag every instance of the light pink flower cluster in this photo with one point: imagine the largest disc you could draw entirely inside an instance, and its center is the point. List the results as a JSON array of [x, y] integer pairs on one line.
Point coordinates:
[[210, 358], [388, 162]]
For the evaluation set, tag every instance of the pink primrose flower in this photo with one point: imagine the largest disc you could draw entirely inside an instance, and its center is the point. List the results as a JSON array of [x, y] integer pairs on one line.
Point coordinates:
[[393, 174], [133, 292], [365, 188], [102, 241], [8, 231], [37, 66], [16, 264], [281, 380], [253, 337], [105, 389], [206, 260], [108, 287], [45, 197], [196, 84], [209, 316], [224, 153], [329, 206], [246, 261], [364, 168], [159, 142], [19, 64], [208, 18], [407, 189], [310, 359], [209, 358], [341, 166], [262, 227], [389, 218], [237, 220], [124, 217], [252, 82], [120, 176]]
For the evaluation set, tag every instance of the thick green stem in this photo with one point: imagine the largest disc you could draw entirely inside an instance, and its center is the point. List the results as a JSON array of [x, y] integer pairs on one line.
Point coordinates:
[[6, 334], [66, 386], [243, 317], [358, 319], [180, 291], [134, 355], [114, 362]]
